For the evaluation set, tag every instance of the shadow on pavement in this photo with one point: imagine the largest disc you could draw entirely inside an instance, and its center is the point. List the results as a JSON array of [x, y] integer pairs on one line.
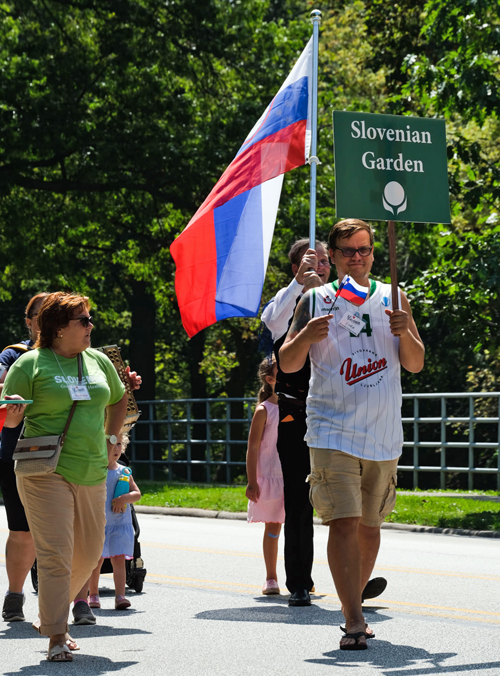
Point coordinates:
[[24, 630], [387, 657], [274, 611], [90, 665]]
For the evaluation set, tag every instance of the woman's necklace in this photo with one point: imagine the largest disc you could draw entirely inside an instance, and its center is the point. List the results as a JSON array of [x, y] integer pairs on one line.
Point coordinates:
[[77, 392]]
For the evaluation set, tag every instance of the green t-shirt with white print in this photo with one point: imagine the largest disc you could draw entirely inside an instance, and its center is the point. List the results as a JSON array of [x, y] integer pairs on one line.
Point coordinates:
[[38, 375]]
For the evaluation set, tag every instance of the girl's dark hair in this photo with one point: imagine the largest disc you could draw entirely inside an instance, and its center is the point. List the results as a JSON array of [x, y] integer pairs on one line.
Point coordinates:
[[266, 367], [33, 302]]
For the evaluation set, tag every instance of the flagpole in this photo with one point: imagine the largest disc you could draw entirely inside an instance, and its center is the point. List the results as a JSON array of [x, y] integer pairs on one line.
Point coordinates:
[[313, 160]]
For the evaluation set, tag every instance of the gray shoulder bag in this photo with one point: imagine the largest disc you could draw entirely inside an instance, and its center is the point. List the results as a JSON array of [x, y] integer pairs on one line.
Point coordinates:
[[40, 455]]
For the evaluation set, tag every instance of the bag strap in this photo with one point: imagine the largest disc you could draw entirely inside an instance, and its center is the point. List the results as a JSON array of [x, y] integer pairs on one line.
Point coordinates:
[[20, 347], [75, 402]]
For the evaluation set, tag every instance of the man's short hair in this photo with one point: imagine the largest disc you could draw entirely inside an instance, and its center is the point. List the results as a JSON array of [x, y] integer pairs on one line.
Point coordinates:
[[299, 248], [348, 228]]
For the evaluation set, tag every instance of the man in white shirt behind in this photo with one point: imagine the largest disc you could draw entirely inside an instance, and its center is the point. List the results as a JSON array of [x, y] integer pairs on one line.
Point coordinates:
[[311, 269]]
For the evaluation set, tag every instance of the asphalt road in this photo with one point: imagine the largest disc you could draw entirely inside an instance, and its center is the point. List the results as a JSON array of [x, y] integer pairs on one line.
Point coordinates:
[[201, 611]]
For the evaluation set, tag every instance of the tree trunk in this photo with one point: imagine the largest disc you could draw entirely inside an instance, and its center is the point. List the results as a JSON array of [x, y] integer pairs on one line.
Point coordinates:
[[142, 338]]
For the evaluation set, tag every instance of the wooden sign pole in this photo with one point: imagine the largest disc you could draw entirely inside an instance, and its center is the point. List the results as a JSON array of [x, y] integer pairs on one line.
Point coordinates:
[[391, 231]]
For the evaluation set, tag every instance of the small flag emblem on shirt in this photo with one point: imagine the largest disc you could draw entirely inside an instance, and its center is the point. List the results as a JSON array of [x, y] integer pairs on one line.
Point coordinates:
[[352, 292]]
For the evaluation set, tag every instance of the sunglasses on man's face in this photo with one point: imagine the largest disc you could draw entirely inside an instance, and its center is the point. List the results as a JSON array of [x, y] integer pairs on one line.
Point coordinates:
[[86, 321], [348, 252]]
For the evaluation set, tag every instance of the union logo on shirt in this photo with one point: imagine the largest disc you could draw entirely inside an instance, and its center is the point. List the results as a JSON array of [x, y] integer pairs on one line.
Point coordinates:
[[354, 374]]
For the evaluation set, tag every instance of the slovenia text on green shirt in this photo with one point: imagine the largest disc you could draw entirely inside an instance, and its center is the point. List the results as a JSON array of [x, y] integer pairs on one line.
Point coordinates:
[[38, 375]]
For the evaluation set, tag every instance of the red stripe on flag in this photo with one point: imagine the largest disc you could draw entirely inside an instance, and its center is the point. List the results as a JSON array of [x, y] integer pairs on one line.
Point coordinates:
[[351, 296], [266, 159], [195, 256]]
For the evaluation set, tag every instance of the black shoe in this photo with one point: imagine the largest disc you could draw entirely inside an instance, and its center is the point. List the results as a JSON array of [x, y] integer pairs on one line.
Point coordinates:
[[13, 607], [82, 614], [300, 598], [374, 588]]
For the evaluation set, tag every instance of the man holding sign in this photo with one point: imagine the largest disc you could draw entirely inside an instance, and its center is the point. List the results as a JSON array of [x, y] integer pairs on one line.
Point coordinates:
[[356, 343]]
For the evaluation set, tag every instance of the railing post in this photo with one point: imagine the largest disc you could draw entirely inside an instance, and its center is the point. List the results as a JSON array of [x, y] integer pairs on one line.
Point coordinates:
[[151, 436], [208, 448], [416, 439], [189, 456], [169, 438], [498, 447], [470, 474], [442, 474], [228, 442]]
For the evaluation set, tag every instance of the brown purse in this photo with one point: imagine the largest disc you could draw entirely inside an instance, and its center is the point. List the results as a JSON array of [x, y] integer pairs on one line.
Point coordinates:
[[39, 455]]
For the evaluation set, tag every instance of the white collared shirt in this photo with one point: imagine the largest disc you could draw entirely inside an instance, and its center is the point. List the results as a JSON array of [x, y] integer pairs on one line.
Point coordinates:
[[278, 312]]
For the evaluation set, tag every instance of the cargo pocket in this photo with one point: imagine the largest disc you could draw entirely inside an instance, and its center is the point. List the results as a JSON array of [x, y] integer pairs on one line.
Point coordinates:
[[389, 500], [319, 494]]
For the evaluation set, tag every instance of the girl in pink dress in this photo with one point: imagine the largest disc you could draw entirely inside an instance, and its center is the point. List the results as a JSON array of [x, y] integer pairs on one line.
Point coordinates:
[[265, 479]]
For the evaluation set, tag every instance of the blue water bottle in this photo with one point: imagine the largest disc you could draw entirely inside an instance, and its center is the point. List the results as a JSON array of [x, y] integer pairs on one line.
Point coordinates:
[[123, 483]]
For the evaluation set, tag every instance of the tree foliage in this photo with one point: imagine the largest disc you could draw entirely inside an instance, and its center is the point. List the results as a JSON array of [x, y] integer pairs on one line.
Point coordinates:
[[119, 117]]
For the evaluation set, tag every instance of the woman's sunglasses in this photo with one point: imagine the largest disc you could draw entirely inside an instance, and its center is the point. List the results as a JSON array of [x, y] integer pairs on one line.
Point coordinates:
[[84, 320]]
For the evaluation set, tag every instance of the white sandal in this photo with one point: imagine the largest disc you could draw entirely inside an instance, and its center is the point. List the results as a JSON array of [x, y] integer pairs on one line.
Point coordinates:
[[60, 653]]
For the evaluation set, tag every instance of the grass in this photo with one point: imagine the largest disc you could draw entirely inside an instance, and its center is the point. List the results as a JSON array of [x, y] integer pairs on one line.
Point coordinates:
[[444, 512], [202, 496]]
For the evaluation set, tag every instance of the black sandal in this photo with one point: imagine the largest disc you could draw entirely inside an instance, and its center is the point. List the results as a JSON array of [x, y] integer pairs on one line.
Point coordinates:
[[372, 635], [356, 645]]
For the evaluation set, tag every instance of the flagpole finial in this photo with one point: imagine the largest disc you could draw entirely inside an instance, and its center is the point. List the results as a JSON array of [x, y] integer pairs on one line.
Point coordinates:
[[315, 15]]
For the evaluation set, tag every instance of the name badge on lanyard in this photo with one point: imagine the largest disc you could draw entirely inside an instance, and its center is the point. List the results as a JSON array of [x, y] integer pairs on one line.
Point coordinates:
[[352, 323], [78, 392]]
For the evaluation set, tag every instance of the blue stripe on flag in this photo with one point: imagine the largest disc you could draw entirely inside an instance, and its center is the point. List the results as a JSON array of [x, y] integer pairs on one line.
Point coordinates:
[[289, 106], [226, 220], [239, 283]]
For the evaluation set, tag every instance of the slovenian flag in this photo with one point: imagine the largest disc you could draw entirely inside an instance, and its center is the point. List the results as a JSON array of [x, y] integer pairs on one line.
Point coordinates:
[[221, 257], [352, 292]]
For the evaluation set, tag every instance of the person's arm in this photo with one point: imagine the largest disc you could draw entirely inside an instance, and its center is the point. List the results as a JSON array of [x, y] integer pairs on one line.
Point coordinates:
[[18, 385], [7, 358], [277, 313], [115, 417], [133, 379], [303, 332], [132, 496], [254, 439], [411, 347], [3, 375], [15, 412]]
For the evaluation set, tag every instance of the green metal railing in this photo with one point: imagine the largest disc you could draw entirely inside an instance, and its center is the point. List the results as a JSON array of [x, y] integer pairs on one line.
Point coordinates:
[[204, 440]]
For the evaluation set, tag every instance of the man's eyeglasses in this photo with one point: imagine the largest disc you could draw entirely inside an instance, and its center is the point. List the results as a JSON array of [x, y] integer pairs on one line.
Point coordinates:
[[349, 253], [84, 320]]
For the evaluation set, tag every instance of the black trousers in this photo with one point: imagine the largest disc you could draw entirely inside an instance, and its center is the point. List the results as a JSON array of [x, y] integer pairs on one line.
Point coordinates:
[[294, 455], [16, 517]]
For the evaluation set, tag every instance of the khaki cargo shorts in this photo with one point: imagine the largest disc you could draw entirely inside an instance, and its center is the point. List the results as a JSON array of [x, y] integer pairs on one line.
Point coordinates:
[[343, 486]]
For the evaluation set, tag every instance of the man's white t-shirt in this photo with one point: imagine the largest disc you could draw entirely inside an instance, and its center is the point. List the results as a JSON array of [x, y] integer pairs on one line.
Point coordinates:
[[354, 401]]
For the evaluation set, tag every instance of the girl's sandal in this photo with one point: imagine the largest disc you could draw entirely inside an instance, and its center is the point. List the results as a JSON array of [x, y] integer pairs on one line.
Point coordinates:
[[71, 643]]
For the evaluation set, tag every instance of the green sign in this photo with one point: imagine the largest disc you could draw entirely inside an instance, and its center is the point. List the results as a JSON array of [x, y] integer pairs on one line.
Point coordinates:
[[390, 168]]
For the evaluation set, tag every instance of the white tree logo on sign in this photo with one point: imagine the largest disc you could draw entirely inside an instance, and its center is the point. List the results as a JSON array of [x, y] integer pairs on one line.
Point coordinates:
[[394, 197]]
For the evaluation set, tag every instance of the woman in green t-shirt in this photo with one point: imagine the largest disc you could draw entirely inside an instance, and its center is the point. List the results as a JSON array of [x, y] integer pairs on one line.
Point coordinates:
[[65, 509]]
